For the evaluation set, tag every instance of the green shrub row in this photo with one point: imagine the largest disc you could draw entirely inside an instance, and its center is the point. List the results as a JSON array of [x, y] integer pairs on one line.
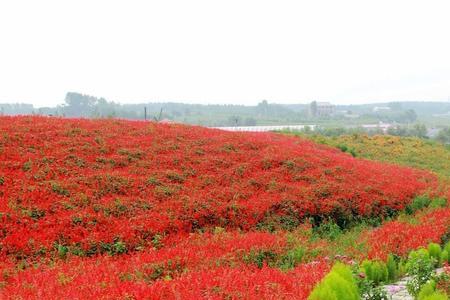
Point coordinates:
[[364, 281]]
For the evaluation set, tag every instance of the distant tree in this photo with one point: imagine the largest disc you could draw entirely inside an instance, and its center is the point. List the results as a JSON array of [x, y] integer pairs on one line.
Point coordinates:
[[313, 108], [234, 121], [263, 107], [397, 131], [410, 115], [77, 104], [444, 135], [419, 130]]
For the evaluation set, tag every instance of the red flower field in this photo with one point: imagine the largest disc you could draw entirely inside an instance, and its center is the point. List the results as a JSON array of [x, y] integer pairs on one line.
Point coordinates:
[[117, 209]]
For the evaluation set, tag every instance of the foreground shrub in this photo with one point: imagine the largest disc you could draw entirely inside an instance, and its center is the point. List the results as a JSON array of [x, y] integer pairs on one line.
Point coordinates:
[[376, 271], [436, 296], [435, 252], [392, 268], [446, 248], [420, 267], [339, 284], [371, 292], [428, 292]]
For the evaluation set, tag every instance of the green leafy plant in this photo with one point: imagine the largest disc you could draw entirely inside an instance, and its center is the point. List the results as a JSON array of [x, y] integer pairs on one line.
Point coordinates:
[[427, 290], [370, 292], [418, 203], [339, 284], [435, 251], [376, 271], [260, 258], [438, 202], [292, 258], [444, 256], [329, 230], [392, 268], [435, 296], [420, 267]]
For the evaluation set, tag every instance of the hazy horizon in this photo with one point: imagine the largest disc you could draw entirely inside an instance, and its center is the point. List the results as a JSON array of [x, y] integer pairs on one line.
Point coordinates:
[[233, 52], [244, 103]]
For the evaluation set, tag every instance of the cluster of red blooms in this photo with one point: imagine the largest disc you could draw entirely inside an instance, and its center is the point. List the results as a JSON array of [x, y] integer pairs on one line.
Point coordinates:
[[101, 281], [400, 237], [139, 190], [197, 264]]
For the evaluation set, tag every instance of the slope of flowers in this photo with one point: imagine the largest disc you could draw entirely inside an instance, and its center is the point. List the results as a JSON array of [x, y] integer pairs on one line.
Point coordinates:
[[80, 182], [111, 208]]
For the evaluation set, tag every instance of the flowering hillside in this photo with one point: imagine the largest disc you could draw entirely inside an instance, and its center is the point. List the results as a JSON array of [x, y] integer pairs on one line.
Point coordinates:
[[110, 208]]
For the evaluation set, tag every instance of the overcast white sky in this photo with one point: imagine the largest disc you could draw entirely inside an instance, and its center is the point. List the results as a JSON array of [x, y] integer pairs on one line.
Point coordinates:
[[225, 51]]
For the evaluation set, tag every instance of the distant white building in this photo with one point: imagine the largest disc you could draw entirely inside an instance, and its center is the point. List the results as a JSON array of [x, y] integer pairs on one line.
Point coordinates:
[[380, 126], [321, 109], [381, 108], [267, 128]]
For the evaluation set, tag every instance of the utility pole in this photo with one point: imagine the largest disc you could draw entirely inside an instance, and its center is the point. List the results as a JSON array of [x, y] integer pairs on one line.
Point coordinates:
[[145, 113]]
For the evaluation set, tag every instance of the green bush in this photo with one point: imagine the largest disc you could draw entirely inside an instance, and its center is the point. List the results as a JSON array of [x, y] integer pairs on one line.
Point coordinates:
[[427, 289], [261, 257], [435, 251], [420, 267], [343, 148], [339, 284], [329, 230], [370, 292], [438, 202], [428, 292], [444, 256], [376, 271], [292, 258], [392, 269], [417, 204], [447, 247], [436, 296], [401, 271]]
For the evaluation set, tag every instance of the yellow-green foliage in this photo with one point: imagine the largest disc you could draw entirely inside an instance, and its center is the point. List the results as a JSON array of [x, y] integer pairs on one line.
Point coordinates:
[[407, 151], [376, 271], [444, 256], [436, 296], [447, 247], [435, 252], [428, 292], [339, 284], [391, 268]]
